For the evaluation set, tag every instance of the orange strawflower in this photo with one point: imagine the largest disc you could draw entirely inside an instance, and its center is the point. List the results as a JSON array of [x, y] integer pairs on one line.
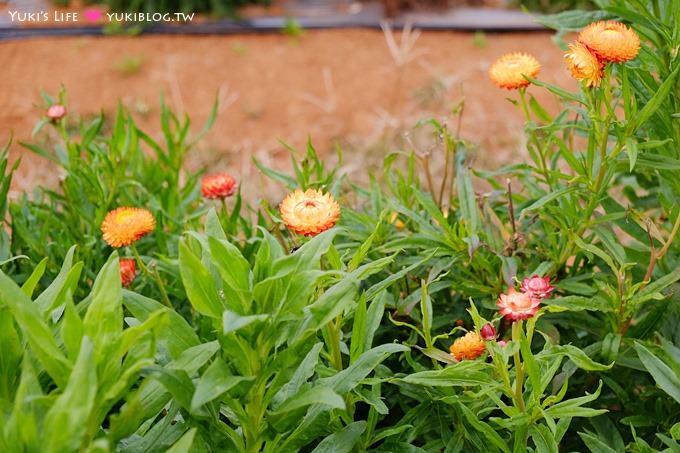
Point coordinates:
[[220, 185], [509, 70], [310, 212], [517, 306], [128, 271], [583, 64], [468, 347], [124, 225], [611, 41]]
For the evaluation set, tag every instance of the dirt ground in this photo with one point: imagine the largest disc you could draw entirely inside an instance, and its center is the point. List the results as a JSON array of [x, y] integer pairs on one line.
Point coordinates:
[[335, 86]]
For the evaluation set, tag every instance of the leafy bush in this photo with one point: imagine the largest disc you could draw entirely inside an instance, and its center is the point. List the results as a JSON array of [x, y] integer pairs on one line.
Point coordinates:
[[351, 340]]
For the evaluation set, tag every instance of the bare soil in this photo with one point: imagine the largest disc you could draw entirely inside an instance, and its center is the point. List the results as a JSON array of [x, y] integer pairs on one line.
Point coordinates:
[[335, 86]]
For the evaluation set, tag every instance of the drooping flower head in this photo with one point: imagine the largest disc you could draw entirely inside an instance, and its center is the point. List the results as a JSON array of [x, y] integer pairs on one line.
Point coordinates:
[[509, 70], [488, 332], [516, 305], [468, 347], [537, 287], [128, 271], [583, 64], [219, 185], [123, 226], [310, 212], [611, 41], [56, 112]]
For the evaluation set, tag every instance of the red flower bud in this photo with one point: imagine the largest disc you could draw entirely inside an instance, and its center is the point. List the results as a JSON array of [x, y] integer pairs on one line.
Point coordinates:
[[488, 332], [128, 271]]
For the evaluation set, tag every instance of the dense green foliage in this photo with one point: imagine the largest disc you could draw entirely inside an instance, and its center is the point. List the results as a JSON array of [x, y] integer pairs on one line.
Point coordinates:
[[242, 336]]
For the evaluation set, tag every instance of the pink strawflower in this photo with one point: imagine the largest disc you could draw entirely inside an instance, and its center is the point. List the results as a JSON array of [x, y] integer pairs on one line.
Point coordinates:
[[537, 287], [516, 306], [56, 112], [502, 343], [488, 332]]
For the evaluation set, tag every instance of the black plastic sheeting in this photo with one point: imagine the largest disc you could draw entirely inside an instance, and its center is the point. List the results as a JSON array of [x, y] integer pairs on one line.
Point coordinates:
[[276, 24]]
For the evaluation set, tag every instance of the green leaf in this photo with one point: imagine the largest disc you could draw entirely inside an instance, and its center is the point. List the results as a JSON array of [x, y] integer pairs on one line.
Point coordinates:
[[358, 343], [319, 394], [177, 337], [577, 303], [466, 373], [543, 439], [178, 383], [231, 322], [67, 420], [663, 375], [657, 162], [576, 355], [62, 282], [574, 407], [103, 321], [303, 372], [31, 282], [594, 444], [330, 304], [656, 286], [199, 284], [548, 198], [215, 382], [590, 248], [632, 151], [213, 227], [572, 20], [342, 441], [235, 273], [660, 96], [374, 317], [27, 315], [489, 433], [183, 445], [347, 379]]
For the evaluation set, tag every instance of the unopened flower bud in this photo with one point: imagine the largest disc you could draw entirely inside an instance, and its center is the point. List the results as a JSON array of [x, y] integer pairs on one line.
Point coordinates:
[[56, 112], [488, 332]]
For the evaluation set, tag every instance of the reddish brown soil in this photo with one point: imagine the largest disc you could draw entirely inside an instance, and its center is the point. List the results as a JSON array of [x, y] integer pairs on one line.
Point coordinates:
[[272, 87]]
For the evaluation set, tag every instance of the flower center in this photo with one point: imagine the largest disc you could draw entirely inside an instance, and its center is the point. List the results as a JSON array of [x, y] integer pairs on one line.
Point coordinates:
[[307, 205], [611, 33]]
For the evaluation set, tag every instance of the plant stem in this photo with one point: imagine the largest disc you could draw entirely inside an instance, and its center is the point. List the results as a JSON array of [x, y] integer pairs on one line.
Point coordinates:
[[519, 371], [334, 340], [155, 275], [225, 210]]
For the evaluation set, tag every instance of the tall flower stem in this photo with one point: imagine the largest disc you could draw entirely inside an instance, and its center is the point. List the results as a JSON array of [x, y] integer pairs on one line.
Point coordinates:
[[226, 222], [155, 275], [519, 371]]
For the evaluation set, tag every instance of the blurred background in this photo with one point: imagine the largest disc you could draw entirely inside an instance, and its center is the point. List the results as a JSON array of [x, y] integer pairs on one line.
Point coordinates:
[[353, 75]]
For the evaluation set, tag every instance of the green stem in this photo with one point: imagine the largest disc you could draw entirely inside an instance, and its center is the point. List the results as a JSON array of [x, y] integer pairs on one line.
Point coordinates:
[[225, 209], [155, 275], [519, 371], [334, 340]]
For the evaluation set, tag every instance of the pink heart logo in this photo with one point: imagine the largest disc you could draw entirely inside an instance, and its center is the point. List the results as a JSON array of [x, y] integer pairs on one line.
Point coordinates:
[[92, 14]]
